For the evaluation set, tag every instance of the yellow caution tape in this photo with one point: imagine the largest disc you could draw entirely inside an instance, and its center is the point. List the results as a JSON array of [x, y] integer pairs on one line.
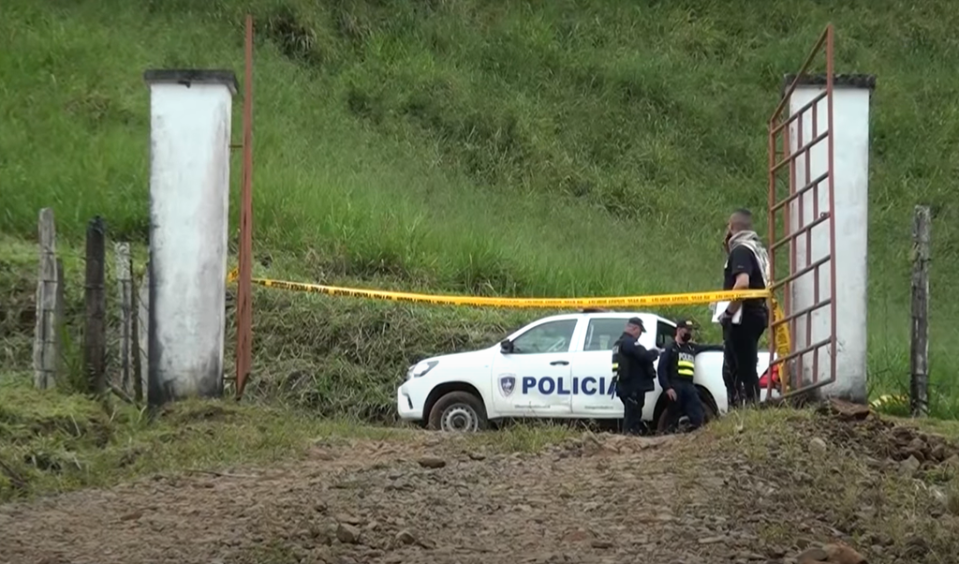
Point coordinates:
[[783, 340], [887, 400], [783, 344], [545, 303]]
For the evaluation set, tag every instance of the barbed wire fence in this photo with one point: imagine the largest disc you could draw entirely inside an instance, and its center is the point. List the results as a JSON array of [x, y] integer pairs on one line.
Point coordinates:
[[85, 330], [92, 337]]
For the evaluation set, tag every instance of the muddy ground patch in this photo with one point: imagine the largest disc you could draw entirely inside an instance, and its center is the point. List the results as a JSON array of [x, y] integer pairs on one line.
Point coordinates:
[[769, 486]]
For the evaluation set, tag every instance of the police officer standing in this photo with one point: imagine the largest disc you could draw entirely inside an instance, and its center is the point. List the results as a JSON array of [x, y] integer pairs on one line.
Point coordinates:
[[676, 369], [635, 375]]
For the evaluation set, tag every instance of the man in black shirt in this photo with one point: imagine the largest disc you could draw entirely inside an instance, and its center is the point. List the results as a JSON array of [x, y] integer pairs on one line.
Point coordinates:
[[746, 268]]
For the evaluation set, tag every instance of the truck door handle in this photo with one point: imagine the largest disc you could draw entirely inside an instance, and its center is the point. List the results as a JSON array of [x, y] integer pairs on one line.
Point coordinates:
[[559, 363]]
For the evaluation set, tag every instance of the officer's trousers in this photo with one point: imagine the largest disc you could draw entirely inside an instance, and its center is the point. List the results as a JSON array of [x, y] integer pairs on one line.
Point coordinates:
[[687, 401], [633, 403], [743, 342], [729, 371]]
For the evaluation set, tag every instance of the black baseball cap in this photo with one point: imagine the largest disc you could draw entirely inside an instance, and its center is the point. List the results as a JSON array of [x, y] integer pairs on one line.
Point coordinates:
[[636, 321], [686, 324]]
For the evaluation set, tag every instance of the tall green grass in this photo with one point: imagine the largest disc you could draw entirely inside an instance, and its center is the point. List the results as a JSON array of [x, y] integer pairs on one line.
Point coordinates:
[[568, 147], [51, 442]]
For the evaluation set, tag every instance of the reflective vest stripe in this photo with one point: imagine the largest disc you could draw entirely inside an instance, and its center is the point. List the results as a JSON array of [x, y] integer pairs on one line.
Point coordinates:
[[685, 368]]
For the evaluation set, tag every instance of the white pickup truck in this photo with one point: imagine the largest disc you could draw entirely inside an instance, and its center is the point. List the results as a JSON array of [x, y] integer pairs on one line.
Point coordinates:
[[556, 367]]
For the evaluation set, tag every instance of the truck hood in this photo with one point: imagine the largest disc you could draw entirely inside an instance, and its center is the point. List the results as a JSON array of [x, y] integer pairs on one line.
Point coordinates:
[[466, 359]]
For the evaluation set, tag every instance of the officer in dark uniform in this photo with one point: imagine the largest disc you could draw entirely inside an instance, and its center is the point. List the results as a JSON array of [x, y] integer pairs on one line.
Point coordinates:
[[635, 375], [676, 368]]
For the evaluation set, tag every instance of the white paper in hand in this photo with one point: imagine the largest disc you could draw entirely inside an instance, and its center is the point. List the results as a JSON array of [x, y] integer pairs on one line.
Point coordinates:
[[721, 308]]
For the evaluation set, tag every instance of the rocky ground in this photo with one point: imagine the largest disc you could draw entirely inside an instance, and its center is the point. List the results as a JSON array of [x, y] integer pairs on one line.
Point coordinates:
[[839, 487]]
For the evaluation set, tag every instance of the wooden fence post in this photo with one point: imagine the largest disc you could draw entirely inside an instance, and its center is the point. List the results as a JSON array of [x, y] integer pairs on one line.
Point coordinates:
[[125, 287], [60, 313], [143, 333], [919, 352], [49, 316], [135, 340], [94, 335]]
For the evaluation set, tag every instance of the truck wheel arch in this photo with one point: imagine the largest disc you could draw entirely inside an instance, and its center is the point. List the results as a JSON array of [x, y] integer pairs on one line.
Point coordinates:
[[442, 389], [708, 399]]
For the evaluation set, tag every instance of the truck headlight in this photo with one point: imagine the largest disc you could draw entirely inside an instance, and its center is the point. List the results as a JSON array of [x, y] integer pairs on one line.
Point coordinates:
[[421, 369]]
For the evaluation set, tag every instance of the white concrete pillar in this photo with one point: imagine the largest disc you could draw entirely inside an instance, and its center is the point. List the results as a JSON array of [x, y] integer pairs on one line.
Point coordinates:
[[190, 118], [851, 97]]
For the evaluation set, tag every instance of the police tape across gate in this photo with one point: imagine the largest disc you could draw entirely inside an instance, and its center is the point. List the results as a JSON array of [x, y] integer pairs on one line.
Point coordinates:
[[782, 336], [484, 301]]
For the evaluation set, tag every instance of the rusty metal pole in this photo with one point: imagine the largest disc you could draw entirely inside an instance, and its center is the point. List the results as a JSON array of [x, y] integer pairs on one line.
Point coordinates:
[[833, 310], [771, 230], [244, 317]]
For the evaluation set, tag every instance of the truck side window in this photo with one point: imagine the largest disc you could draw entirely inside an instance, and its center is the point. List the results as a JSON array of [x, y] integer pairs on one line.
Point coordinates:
[[555, 336], [664, 335], [602, 333]]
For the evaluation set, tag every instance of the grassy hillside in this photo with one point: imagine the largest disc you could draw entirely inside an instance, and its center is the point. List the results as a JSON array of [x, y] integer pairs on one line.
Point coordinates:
[[550, 148]]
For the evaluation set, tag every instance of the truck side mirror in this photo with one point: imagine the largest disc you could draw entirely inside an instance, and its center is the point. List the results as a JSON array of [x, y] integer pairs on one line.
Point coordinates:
[[506, 346]]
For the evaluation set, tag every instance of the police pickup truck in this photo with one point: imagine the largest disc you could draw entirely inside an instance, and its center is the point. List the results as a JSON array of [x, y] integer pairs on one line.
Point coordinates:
[[556, 367]]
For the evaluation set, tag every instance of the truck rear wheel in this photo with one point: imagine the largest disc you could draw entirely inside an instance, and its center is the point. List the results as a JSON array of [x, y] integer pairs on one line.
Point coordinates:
[[458, 412]]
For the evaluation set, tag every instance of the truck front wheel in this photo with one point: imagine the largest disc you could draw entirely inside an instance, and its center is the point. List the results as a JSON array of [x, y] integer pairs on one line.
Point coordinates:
[[458, 412]]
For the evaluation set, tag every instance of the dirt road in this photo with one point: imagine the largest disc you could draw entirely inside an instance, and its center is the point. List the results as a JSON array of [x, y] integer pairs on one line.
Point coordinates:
[[611, 500], [599, 499]]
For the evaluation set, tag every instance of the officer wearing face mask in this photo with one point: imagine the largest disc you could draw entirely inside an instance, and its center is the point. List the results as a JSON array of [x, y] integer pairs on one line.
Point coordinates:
[[675, 372]]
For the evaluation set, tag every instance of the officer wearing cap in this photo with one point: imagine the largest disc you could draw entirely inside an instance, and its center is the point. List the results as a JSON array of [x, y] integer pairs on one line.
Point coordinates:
[[635, 375], [676, 370]]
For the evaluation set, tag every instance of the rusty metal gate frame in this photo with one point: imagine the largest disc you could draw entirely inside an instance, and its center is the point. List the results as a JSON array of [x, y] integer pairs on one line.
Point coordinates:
[[781, 158], [244, 307]]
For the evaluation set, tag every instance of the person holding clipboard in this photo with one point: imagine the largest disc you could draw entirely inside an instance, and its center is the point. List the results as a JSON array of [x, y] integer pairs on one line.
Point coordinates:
[[743, 321]]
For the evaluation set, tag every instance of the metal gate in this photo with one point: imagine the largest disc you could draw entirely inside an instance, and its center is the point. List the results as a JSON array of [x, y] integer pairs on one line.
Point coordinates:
[[802, 238]]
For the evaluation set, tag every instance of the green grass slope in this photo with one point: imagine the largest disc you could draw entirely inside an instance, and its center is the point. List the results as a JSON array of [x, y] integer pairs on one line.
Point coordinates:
[[552, 148]]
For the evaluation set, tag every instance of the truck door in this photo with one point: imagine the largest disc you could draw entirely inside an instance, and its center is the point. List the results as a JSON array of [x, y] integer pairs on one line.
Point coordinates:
[[534, 380], [592, 372]]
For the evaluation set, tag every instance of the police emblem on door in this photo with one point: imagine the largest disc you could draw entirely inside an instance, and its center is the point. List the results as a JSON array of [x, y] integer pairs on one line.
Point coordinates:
[[507, 383]]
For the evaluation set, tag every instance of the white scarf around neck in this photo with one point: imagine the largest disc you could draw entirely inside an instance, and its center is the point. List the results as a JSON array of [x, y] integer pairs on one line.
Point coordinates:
[[751, 241]]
